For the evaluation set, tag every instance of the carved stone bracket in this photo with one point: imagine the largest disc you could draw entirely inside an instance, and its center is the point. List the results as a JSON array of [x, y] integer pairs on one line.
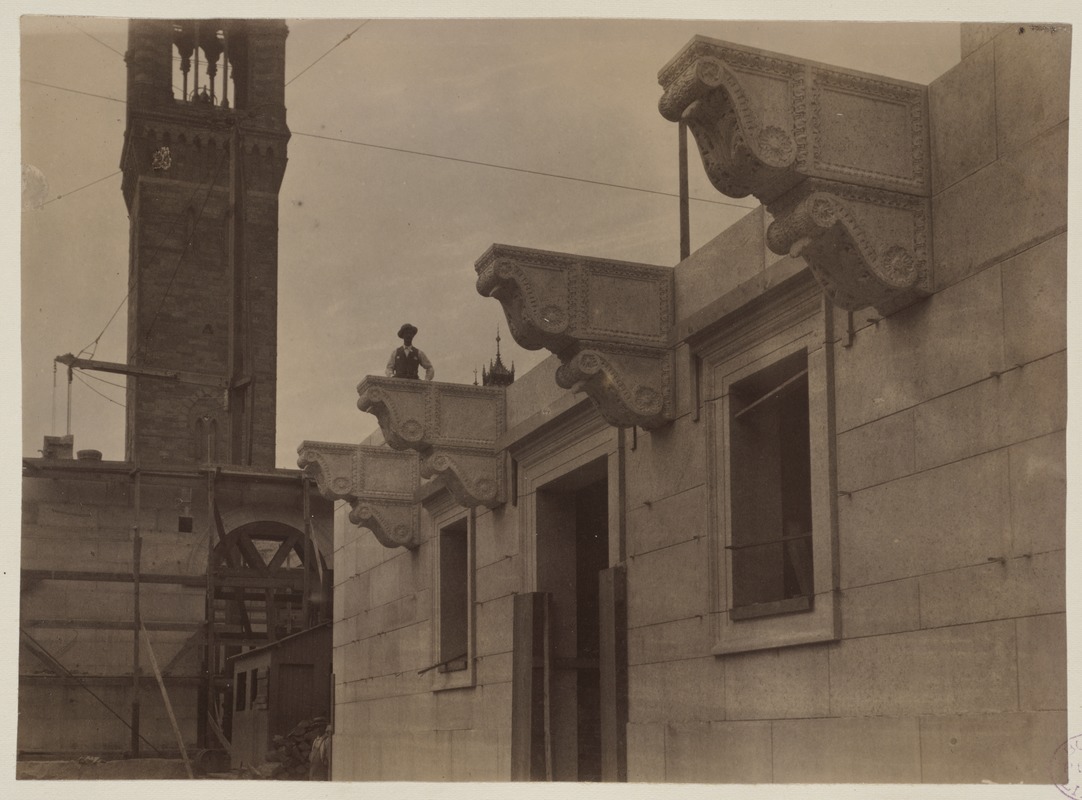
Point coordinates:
[[840, 158], [379, 484], [454, 428], [865, 246], [609, 322]]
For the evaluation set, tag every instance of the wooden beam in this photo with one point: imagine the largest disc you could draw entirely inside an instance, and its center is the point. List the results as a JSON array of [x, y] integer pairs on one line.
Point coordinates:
[[42, 679], [612, 596], [168, 705], [195, 581], [109, 624]]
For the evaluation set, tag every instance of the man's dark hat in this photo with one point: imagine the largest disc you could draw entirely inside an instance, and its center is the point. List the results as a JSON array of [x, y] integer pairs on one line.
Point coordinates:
[[407, 331]]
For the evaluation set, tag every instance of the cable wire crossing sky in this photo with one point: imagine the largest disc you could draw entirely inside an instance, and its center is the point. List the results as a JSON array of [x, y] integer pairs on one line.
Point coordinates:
[[416, 144]]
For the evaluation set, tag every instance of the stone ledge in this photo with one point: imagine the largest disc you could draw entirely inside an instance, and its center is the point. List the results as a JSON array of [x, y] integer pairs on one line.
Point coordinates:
[[453, 427], [609, 322], [378, 483], [840, 158]]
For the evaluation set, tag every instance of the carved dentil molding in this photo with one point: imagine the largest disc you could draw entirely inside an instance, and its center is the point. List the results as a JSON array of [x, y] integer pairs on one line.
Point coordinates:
[[378, 483], [783, 129], [453, 427], [609, 322]]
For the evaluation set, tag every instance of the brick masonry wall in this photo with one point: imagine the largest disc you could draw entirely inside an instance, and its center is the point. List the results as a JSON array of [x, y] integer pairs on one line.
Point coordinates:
[[950, 453]]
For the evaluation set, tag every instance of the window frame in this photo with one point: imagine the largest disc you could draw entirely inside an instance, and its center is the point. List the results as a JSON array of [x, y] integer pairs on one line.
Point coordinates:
[[794, 317], [443, 517]]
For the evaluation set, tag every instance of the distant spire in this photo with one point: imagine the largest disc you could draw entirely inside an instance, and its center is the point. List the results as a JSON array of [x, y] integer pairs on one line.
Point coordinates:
[[475, 377], [497, 374]]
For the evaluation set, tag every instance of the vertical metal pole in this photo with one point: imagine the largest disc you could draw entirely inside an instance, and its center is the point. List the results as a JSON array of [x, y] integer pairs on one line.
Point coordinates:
[[195, 38], [225, 68], [212, 645], [685, 213], [137, 621], [68, 431], [308, 553]]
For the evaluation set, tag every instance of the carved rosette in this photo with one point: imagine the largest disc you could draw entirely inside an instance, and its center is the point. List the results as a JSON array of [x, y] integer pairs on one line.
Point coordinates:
[[772, 126], [453, 427], [378, 483], [393, 524], [473, 479], [866, 247], [402, 419], [628, 386], [615, 321], [741, 154]]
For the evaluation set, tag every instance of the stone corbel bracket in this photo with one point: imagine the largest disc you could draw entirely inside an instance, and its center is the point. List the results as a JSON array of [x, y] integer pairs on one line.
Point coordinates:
[[379, 484], [454, 428], [840, 158], [609, 322]]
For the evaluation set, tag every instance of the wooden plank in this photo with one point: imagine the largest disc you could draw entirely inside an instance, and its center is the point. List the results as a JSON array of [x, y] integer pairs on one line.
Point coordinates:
[[43, 679], [109, 625], [546, 667], [612, 596], [197, 581], [219, 734], [165, 699], [197, 638]]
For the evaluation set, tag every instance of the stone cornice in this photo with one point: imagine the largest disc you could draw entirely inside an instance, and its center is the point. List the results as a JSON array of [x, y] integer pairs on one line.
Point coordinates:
[[609, 322], [454, 428], [841, 159], [378, 483]]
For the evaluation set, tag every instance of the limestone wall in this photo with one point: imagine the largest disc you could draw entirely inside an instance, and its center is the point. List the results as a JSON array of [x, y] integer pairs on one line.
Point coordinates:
[[946, 661], [950, 419]]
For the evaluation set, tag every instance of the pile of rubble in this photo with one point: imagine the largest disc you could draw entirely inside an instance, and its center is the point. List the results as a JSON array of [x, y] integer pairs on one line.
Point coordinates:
[[291, 756]]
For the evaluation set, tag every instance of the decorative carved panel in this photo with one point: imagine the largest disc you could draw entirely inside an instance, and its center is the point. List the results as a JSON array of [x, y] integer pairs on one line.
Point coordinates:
[[454, 428], [608, 321], [840, 158], [378, 483]]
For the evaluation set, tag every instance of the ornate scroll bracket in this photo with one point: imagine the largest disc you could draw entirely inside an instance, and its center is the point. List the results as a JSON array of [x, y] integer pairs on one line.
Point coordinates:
[[609, 322], [866, 247], [378, 483], [841, 156], [453, 427]]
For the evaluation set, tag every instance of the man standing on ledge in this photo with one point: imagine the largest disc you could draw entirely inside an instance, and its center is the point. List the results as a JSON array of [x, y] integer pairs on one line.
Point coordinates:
[[404, 360]]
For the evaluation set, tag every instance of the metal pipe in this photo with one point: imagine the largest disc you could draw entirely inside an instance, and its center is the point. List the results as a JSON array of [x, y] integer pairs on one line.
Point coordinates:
[[70, 376], [685, 211]]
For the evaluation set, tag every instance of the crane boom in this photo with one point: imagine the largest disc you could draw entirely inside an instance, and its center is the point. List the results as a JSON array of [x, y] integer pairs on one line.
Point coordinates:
[[181, 376]]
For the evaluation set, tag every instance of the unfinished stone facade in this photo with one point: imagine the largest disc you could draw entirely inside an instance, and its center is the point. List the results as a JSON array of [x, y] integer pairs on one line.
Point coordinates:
[[892, 607]]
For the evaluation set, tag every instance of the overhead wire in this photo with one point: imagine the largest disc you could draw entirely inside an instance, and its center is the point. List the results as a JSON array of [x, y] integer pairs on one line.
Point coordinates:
[[102, 395], [92, 36], [73, 91], [85, 186], [94, 377], [515, 169], [343, 40], [471, 162]]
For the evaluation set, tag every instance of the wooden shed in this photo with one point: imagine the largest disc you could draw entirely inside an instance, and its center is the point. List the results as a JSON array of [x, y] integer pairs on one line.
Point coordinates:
[[275, 687]]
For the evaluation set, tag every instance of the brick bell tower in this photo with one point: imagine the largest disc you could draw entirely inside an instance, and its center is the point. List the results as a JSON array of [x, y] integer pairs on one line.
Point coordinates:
[[203, 160]]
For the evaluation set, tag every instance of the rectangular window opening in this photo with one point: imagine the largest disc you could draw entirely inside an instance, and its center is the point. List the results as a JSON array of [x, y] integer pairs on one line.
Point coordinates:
[[454, 596], [770, 490], [184, 524]]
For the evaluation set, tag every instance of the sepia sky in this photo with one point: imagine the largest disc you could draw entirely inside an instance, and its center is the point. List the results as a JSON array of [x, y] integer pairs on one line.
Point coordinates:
[[384, 227]]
